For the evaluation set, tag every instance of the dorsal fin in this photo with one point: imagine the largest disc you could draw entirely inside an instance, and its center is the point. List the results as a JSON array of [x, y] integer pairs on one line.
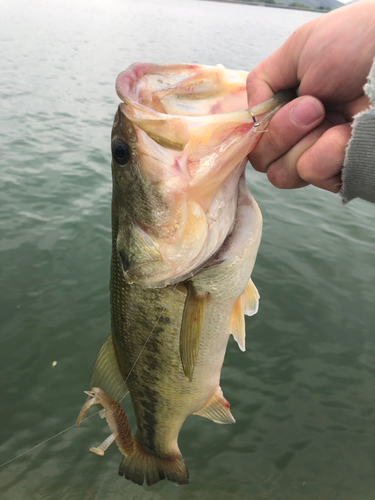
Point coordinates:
[[106, 373], [217, 409], [237, 328], [251, 299], [191, 329]]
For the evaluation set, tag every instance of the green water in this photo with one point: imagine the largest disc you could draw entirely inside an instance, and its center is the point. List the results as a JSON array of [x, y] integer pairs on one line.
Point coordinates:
[[302, 394]]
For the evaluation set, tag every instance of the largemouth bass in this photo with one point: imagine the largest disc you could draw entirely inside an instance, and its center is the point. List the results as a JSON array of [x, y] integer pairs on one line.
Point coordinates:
[[186, 232]]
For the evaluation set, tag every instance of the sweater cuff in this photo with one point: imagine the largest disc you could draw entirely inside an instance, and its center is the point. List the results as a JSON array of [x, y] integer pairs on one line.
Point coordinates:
[[358, 174]]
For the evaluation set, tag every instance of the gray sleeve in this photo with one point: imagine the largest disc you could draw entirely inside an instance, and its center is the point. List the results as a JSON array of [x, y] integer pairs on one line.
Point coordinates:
[[358, 174]]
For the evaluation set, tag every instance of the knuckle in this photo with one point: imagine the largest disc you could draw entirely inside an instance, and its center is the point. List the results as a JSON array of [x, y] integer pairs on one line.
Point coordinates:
[[306, 168], [257, 162], [277, 176], [275, 138]]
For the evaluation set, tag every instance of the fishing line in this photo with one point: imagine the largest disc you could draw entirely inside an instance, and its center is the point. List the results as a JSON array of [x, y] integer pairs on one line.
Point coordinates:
[[130, 372], [86, 418], [256, 124], [46, 440]]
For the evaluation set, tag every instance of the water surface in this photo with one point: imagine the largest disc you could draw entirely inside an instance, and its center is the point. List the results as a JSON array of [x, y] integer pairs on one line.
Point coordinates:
[[302, 394]]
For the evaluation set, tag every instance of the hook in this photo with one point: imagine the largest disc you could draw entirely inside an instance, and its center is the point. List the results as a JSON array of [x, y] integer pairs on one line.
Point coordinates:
[[256, 124]]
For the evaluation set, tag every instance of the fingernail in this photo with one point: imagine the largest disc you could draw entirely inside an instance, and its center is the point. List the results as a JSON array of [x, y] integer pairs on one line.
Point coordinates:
[[306, 112]]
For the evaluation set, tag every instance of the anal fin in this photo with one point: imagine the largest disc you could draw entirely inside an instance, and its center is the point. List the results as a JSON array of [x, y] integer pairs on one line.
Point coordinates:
[[217, 409], [191, 329], [106, 373]]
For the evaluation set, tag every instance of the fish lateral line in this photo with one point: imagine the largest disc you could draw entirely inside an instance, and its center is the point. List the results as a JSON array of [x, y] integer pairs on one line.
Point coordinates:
[[148, 338]]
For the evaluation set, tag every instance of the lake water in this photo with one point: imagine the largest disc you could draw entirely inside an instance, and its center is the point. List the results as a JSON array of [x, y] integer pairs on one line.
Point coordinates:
[[302, 394]]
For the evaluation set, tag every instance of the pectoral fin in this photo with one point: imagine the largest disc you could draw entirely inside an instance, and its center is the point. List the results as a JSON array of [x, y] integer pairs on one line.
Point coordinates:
[[191, 328], [248, 304], [217, 409], [106, 373], [238, 322], [251, 299], [139, 257]]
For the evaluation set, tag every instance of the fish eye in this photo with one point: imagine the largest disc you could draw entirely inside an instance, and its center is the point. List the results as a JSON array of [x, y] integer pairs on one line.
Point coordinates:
[[120, 152]]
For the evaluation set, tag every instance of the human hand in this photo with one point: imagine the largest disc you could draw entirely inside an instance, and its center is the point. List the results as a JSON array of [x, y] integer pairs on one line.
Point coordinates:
[[328, 60]]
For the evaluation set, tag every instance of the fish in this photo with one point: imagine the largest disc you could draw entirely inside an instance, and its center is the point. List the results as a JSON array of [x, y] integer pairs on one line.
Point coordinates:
[[185, 236]]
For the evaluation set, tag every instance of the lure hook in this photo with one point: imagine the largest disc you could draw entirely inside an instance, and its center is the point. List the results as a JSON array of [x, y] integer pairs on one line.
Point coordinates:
[[256, 124]]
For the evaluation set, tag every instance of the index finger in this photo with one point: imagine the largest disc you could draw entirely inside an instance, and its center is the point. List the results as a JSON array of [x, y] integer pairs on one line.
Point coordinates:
[[277, 72]]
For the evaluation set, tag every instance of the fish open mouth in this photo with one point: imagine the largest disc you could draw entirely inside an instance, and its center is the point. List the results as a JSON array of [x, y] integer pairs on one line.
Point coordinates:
[[191, 132], [183, 89]]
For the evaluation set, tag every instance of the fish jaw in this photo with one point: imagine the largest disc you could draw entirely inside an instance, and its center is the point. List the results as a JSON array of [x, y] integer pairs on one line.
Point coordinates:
[[188, 133]]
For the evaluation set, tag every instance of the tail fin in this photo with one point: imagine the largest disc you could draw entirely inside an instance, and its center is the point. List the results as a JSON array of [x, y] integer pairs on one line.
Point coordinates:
[[142, 466]]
